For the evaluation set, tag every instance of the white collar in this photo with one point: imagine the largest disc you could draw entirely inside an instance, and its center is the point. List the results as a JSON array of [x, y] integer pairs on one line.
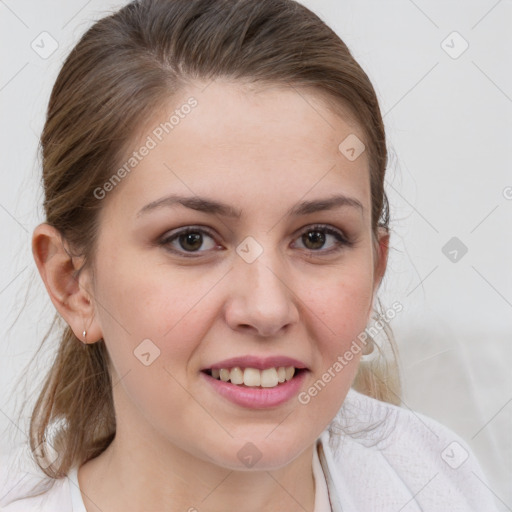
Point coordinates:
[[339, 494]]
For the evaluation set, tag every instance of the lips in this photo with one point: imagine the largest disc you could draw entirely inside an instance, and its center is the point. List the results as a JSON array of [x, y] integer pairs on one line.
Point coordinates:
[[257, 397], [254, 381]]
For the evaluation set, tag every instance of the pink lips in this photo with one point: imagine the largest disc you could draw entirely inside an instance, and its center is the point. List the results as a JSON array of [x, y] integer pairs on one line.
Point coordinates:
[[257, 398]]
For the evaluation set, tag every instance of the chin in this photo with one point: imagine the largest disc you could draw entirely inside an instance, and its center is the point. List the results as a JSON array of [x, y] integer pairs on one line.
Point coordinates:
[[260, 454]]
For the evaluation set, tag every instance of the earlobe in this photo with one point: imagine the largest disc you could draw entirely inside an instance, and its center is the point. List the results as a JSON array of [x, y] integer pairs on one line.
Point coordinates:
[[69, 294]]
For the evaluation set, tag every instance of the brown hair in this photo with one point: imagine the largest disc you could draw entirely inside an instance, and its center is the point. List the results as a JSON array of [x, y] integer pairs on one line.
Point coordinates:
[[122, 68]]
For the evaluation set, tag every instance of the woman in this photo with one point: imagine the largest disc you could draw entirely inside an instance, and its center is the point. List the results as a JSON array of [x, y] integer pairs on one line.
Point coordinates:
[[216, 233]]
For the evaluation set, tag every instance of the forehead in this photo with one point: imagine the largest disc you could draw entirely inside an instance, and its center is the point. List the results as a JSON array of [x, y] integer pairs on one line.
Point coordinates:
[[282, 114], [241, 142]]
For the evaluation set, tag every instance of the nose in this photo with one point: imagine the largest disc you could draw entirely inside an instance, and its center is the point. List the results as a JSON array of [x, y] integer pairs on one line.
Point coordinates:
[[262, 301]]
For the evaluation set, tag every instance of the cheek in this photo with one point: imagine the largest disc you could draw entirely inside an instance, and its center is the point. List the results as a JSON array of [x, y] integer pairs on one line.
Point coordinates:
[[151, 325], [152, 302], [339, 311], [342, 306], [149, 299]]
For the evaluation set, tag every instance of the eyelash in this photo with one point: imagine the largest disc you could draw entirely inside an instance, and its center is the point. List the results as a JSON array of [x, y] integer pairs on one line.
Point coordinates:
[[341, 241]]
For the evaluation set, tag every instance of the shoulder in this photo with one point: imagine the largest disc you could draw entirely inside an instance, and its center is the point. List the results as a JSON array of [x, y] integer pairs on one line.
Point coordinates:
[[25, 488], [386, 452]]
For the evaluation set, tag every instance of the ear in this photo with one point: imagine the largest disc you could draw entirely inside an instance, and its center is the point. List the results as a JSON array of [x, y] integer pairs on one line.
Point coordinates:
[[381, 257], [69, 290]]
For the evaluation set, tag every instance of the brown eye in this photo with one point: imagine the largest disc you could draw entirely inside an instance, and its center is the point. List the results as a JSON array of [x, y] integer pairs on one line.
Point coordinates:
[[188, 240], [316, 237], [193, 242]]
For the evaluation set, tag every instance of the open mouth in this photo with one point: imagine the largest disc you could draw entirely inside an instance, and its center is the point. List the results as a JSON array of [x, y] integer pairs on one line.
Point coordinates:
[[255, 378]]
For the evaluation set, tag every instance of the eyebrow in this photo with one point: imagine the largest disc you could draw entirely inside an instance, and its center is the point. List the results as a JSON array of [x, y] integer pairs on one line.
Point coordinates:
[[206, 205]]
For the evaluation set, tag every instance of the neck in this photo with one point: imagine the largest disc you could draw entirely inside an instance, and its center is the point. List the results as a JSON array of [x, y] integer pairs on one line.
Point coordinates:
[[129, 476]]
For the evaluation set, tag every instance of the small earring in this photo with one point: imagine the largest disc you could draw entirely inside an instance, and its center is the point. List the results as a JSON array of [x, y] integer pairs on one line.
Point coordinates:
[[84, 334], [369, 352]]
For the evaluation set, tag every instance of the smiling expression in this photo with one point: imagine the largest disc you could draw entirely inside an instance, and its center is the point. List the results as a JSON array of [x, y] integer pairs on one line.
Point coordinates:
[[244, 233]]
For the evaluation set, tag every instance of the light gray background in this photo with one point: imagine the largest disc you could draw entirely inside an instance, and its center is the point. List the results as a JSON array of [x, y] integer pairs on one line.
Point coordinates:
[[449, 129]]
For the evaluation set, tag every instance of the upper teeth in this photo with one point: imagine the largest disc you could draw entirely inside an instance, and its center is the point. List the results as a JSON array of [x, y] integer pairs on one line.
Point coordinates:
[[253, 377]]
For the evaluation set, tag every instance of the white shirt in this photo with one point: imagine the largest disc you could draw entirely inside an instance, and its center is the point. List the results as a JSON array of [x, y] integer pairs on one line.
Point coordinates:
[[374, 457]]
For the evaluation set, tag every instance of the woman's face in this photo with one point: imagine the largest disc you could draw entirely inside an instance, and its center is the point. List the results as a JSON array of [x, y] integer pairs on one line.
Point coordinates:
[[272, 278]]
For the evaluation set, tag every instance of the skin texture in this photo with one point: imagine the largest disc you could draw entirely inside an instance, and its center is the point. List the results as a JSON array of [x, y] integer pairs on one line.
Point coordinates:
[[261, 150]]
